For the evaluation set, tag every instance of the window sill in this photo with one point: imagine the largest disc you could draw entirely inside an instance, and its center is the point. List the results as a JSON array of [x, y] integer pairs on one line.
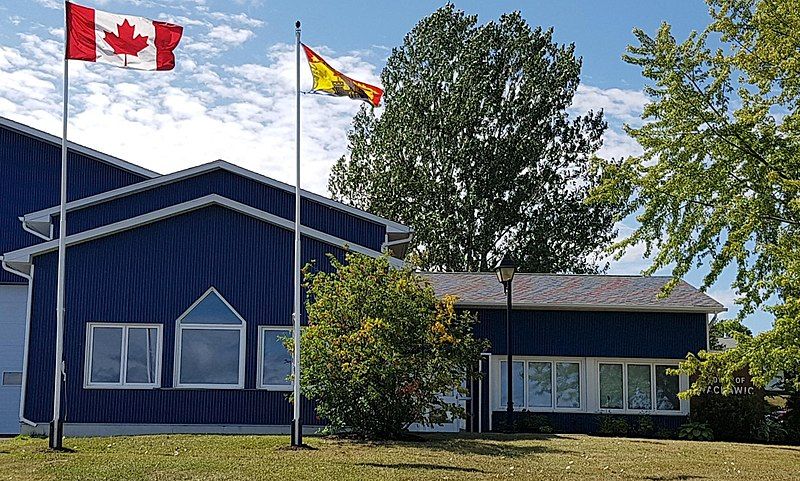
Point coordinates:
[[639, 412], [208, 387], [543, 410], [134, 387]]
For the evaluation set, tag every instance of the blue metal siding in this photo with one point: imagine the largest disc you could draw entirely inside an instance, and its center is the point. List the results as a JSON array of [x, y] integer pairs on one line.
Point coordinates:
[[235, 187], [588, 423], [31, 170], [153, 274], [595, 334]]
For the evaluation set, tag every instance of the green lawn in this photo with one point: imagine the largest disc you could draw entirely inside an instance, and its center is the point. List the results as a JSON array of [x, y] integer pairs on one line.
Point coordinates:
[[180, 457]]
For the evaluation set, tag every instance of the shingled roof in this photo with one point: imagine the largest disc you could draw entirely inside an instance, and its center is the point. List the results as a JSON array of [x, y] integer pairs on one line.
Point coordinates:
[[573, 292]]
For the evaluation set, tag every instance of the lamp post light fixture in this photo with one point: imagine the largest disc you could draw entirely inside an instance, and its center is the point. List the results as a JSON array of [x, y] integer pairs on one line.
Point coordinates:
[[505, 274]]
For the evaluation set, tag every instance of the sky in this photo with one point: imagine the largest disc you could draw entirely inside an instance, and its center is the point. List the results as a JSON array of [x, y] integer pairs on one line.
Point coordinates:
[[231, 95]]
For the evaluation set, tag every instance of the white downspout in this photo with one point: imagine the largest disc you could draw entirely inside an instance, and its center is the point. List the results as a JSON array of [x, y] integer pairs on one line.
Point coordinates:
[[28, 309]]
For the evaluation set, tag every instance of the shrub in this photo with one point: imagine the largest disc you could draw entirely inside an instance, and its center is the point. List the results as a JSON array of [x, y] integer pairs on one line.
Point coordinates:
[[644, 427], [770, 431], [665, 433], [613, 426], [380, 348], [731, 418], [791, 418], [694, 431], [527, 422]]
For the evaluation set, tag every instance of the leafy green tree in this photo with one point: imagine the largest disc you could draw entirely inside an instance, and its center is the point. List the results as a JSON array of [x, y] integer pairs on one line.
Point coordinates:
[[476, 151], [719, 179], [380, 348]]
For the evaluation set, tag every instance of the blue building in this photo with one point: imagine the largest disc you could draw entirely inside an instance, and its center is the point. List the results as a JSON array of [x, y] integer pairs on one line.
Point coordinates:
[[180, 286], [583, 347], [30, 162]]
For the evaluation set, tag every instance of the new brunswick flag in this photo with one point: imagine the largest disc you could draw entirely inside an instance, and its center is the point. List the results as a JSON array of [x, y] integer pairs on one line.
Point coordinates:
[[330, 81]]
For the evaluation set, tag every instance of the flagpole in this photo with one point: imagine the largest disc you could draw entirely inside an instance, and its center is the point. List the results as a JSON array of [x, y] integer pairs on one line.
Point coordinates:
[[297, 425], [57, 425]]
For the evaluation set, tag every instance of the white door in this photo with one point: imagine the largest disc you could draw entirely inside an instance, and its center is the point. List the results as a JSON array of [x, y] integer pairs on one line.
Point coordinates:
[[13, 308], [453, 426]]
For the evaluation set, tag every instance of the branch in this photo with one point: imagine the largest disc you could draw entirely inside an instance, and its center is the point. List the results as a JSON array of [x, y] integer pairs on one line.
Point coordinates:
[[746, 148], [717, 206]]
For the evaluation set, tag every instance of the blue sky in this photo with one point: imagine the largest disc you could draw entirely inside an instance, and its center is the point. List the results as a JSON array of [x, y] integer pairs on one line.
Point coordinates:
[[231, 94]]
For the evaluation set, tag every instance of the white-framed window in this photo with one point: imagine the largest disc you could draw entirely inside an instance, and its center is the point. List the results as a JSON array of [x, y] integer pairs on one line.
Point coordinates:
[[275, 361], [543, 384], [210, 345], [638, 387], [122, 356]]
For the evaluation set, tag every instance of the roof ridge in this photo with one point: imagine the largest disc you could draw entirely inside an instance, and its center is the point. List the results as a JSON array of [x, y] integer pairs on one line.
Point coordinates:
[[561, 274]]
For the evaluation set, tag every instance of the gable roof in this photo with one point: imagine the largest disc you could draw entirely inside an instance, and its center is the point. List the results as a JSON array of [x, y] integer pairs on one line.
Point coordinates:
[[40, 220], [20, 260], [94, 154], [573, 292]]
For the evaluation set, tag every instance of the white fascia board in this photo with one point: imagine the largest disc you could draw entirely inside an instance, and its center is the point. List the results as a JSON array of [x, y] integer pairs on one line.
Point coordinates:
[[23, 256], [590, 307], [44, 215], [99, 156]]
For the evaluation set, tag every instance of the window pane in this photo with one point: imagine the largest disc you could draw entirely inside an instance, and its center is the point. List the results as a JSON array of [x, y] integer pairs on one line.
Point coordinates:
[[667, 388], [106, 354], [611, 386], [209, 356], [639, 387], [568, 385], [12, 378], [142, 345], [540, 384], [211, 310], [518, 385], [276, 364]]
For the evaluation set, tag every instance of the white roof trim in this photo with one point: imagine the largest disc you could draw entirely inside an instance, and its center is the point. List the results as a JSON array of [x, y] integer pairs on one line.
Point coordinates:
[[24, 255], [52, 139], [590, 307], [45, 214]]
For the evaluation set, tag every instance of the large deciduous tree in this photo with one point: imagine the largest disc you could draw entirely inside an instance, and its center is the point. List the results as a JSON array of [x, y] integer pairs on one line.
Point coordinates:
[[476, 151], [718, 184], [380, 348]]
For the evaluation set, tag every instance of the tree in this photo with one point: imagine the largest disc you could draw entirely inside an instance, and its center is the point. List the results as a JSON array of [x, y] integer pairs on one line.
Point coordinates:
[[719, 179], [476, 151], [380, 348]]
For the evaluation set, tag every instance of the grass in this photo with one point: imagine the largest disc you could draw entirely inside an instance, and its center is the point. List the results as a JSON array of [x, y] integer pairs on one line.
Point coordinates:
[[187, 457]]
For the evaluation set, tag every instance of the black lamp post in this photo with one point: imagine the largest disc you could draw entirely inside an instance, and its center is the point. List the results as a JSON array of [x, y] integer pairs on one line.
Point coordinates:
[[505, 274]]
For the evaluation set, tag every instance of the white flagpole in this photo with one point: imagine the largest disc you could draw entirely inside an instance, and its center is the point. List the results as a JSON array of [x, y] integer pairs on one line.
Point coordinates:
[[56, 427], [297, 426]]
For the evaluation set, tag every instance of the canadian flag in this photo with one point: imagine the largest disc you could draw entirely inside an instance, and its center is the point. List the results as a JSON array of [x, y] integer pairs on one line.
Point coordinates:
[[121, 40]]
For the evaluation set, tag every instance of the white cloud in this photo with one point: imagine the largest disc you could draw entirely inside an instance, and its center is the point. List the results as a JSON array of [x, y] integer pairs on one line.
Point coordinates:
[[241, 18], [229, 35], [617, 104], [54, 4], [633, 261], [167, 121], [618, 145]]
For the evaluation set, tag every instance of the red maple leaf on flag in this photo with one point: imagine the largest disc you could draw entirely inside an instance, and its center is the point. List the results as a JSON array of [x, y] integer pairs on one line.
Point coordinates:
[[124, 43]]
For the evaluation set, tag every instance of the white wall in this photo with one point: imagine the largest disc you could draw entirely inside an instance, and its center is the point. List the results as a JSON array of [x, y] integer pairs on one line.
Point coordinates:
[[13, 308]]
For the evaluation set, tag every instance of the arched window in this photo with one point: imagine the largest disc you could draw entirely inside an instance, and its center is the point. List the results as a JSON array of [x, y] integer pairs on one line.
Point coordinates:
[[210, 344]]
